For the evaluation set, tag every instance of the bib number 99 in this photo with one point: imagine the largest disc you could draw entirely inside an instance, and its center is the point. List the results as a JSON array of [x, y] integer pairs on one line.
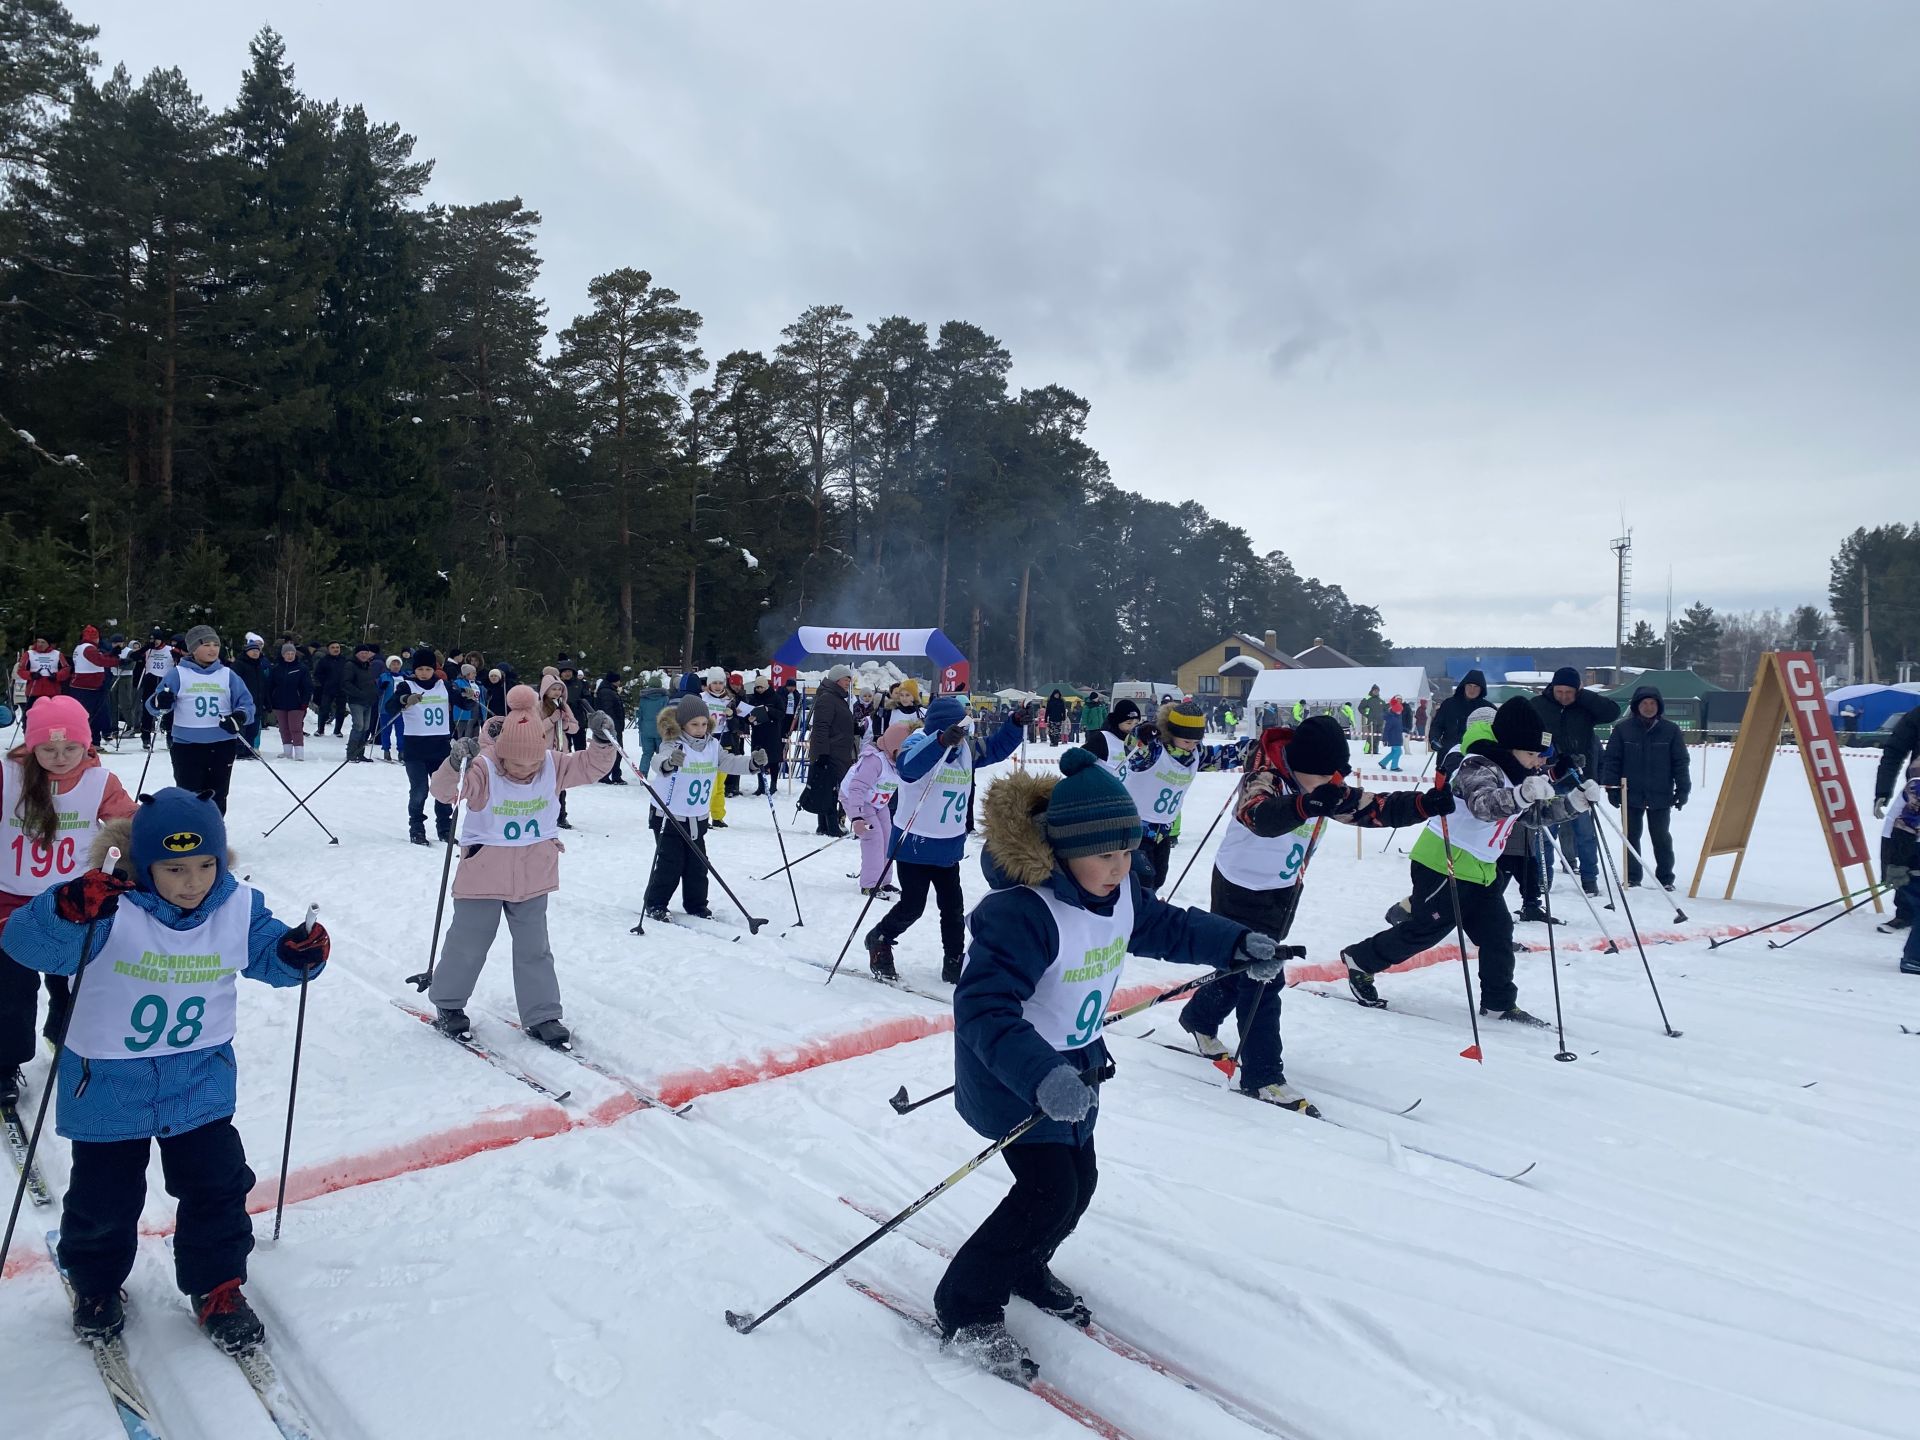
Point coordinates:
[[433, 716], [149, 1022]]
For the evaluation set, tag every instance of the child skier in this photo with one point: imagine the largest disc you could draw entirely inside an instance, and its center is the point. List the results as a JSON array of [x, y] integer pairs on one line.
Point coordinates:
[[1294, 780], [930, 812], [149, 1054], [425, 712], [557, 714], [727, 708], [1495, 789], [1049, 944], [54, 794], [92, 683], [866, 794], [1165, 758], [44, 669], [693, 763], [210, 706], [388, 727], [150, 662], [509, 859], [1109, 742]]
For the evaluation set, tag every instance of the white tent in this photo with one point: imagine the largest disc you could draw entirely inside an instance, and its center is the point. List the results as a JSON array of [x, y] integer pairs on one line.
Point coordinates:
[[1338, 686]]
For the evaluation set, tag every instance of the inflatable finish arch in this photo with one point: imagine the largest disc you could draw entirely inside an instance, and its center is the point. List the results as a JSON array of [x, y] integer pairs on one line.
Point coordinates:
[[876, 644]]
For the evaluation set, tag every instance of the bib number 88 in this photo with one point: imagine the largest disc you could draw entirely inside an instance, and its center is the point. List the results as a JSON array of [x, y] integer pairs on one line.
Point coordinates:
[[1169, 800], [149, 1021]]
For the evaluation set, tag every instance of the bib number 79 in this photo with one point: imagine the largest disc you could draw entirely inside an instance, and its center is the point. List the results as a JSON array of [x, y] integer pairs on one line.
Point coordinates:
[[953, 806]]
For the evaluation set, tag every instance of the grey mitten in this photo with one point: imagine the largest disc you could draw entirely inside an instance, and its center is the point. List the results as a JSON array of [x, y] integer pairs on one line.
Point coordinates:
[[461, 752], [670, 759], [600, 726], [1269, 964], [1063, 1095], [759, 759]]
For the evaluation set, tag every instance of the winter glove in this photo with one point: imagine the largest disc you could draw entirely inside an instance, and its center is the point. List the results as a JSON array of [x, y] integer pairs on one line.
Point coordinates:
[[1613, 796], [163, 699], [461, 752], [759, 716], [306, 946], [1146, 733], [89, 897], [1585, 795], [954, 734], [1268, 963], [233, 725], [1534, 789], [494, 726], [670, 758], [1897, 876], [1680, 802], [758, 759], [1438, 801], [862, 828], [1019, 715], [1330, 800], [600, 727], [1064, 1095], [410, 698], [1879, 804]]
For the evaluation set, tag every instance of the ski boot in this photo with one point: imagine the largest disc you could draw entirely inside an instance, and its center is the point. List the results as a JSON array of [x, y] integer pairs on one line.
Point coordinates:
[[880, 957], [1208, 1045], [551, 1032], [659, 913], [10, 1084], [718, 825], [228, 1319], [1909, 967], [1360, 982], [445, 832], [1536, 914], [950, 969], [417, 837], [453, 1023], [98, 1317], [1892, 925], [1286, 1097], [1400, 910], [1517, 1016], [1046, 1291], [991, 1346], [703, 913]]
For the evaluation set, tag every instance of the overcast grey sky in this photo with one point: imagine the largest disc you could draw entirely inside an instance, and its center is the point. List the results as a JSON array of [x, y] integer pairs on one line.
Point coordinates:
[[1425, 294]]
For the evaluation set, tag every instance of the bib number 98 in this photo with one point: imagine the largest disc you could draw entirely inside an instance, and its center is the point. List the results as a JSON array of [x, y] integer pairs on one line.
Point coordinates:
[[149, 1022]]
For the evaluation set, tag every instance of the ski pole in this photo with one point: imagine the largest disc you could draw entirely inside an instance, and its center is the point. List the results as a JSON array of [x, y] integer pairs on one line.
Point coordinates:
[[1232, 794], [1613, 945], [808, 856], [754, 922], [1679, 915], [265, 834], [1810, 910], [746, 1322], [140, 788], [425, 978], [1553, 953], [1473, 1051], [332, 839], [779, 835], [1607, 861], [1872, 895], [53, 1070], [293, 1083], [885, 870]]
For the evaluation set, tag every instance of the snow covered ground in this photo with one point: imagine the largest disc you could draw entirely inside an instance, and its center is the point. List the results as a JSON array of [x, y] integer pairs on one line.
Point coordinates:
[[1716, 1241]]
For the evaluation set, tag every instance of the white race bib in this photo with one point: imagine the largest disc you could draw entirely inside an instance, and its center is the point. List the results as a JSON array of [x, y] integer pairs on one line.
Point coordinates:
[[1069, 1005], [517, 813], [1262, 862], [203, 699], [692, 789], [1158, 793], [47, 664], [430, 714], [935, 806], [82, 665], [152, 991], [159, 661], [26, 866], [1483, 839]]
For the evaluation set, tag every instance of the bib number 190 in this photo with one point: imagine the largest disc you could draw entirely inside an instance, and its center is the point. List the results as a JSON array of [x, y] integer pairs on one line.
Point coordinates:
[[40, 861], [149, 1022]]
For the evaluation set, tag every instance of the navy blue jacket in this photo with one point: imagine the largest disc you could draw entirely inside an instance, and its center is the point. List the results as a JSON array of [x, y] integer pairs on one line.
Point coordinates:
[[1650, 755], [289, 686], [999, 1059], [920, 755], [1393, 728]]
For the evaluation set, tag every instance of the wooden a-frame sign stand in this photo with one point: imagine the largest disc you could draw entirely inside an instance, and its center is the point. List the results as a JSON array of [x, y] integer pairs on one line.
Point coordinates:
[[1786, 688]]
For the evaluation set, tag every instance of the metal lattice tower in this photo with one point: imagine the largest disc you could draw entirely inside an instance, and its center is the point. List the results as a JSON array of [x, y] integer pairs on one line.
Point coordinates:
[[1622, 598]]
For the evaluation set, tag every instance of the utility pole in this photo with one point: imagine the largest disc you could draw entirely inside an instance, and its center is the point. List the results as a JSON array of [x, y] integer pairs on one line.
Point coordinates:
[[1667, 664], [1866, 628], [1623, 580]]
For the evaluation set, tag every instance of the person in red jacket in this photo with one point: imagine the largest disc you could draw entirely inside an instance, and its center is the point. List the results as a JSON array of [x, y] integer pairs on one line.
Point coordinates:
[[92, 683], [44, 669]]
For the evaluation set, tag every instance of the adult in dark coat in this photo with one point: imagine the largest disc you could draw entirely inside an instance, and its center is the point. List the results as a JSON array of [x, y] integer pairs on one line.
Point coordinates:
[[1902, 745], [1569, 713], [1057, 717], [830, 747], [360, 689], [1648, 753], [1450, 720], [769, 734], [252, 666], [330, 689]]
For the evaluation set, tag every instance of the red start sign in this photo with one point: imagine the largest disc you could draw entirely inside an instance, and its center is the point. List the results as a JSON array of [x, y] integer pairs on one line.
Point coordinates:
[[1807, 702]]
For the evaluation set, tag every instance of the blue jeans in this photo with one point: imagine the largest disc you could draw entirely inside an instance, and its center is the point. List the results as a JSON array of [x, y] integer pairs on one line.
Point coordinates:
[[1586, 850]]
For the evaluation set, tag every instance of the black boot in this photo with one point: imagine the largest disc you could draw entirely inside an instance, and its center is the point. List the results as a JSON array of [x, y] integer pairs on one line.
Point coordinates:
[[1360, 982], [1517, 1016], [1046, 1291], [551, 1032], [453, 1023], [880, 956], [98, 1317], [991, 1346], [228, 1319], [9, 1084], [950, 969]]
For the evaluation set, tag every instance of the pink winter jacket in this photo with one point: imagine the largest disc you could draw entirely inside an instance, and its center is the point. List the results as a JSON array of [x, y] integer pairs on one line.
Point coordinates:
[[514, 872], [857, 795]]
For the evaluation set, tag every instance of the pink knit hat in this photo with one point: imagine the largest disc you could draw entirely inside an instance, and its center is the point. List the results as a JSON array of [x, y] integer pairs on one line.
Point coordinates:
[[58, 717], [896, 735], [522, 740]]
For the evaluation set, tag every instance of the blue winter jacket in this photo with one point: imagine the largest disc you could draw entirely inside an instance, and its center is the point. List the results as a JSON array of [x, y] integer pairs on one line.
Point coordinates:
[[918, 756], [999, 1059], [289, 685], [239, 700], [136, 1099], [1393, 728]]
